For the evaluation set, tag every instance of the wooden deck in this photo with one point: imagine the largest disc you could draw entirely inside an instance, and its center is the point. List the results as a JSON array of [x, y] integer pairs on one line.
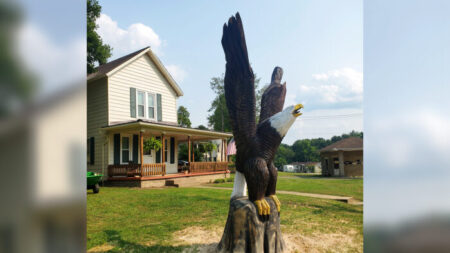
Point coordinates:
[[158, 171]]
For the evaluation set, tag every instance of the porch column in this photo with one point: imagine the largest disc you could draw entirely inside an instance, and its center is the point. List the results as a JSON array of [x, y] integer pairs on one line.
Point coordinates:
[[341, 163], [193, 149], [189, 149], [163, 160], [141, 151], [222, 150]]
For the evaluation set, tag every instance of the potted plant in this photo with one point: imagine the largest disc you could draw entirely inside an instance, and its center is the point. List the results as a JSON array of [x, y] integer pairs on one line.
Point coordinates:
[[152, 144]]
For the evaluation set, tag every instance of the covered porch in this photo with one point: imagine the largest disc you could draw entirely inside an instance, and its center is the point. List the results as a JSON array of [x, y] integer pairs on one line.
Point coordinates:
[[126, 158]]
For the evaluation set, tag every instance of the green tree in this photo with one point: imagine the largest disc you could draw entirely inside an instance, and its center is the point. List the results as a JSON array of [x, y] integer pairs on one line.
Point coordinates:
[[183, 117], [307, 150], [183, 152], [17, 85], [279, 162], [97, 51], [304, 151], [202, 127], [219, 119], [210, 147]]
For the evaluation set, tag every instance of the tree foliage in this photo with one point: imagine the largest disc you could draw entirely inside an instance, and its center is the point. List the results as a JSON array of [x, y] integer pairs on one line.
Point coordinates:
[[183, 117], [307, 150], [17, 84], [200, 151], [97, 51], [218, 120]]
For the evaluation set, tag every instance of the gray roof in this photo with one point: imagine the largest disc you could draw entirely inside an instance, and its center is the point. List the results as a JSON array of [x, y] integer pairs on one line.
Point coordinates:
[[107, 67], [351, 143]]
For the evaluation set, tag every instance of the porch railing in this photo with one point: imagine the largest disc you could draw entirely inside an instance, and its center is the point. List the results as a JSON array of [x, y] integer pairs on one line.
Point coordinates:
[[207, 166], [153, 169], [133, 170]]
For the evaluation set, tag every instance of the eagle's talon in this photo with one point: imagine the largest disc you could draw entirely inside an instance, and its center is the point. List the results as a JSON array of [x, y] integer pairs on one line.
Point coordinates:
[[263, 207], [277, 201]]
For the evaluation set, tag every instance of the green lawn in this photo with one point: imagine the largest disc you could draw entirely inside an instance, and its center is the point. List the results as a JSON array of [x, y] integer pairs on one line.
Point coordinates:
[[144, 220], [313, 183]]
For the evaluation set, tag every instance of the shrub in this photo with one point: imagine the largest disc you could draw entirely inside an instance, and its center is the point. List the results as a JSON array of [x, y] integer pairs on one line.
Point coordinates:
[[220, 180], [230, 179]]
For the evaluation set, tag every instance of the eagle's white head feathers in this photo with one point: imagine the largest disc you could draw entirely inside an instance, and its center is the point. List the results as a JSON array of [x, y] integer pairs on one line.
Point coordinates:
[[283, 120]]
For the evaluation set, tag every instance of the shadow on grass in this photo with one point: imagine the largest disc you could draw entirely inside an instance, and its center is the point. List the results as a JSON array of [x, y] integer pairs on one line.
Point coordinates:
[[120, 245]]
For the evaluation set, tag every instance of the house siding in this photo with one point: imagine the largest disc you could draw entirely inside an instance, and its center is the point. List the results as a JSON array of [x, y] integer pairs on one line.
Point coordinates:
[[141, 74], [97, 117]]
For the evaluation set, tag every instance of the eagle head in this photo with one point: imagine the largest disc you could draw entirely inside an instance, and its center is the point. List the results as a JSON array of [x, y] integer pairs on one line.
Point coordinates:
[[283, 120]]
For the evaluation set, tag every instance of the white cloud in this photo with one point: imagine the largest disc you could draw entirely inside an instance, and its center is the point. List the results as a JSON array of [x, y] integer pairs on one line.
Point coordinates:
[[336, 88], [124, 41], [55, 65], [176, 72], [135, 37], [400, 138]]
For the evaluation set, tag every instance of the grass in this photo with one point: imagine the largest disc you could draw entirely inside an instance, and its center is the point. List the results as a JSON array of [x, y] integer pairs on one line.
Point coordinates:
[[144, 220], [313, 183]]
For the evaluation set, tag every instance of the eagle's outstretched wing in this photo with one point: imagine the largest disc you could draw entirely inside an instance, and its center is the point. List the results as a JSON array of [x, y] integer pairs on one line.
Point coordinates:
[[239, 82], [272, 100]]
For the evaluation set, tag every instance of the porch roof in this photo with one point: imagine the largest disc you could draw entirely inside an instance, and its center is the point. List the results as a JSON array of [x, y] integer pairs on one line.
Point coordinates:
[[166, 128]]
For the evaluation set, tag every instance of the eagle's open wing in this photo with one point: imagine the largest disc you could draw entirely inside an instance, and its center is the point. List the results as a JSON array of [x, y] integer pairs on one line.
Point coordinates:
[[239, 82], [272, 100]]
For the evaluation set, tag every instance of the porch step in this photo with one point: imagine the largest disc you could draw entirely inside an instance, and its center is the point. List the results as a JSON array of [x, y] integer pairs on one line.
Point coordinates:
[[171, 183]]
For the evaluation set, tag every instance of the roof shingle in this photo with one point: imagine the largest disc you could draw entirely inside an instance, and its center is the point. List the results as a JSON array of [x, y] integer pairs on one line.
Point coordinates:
[[350, 143], [105, 68]]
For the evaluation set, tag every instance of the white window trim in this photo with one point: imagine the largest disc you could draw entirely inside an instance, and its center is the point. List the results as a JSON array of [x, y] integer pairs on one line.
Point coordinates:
[[130, 148], [137, 104], [155, 104], [167, 149]]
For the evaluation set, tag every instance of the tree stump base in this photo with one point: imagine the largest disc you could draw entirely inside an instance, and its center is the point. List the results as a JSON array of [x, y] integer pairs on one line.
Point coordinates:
[[245, 231]]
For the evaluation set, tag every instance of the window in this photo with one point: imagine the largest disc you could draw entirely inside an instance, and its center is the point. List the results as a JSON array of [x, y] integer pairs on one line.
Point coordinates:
[[125, 149], [151, 105], [336, 163], [141, 104], [91, 150], [88, 151]]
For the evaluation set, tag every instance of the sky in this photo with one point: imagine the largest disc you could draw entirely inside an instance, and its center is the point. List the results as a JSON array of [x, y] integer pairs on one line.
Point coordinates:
[[320, 50]]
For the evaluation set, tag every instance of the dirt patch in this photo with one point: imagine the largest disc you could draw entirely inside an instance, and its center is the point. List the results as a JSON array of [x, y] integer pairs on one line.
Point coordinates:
[[101, 248], [323, 243], [203, 240], [200, 239]]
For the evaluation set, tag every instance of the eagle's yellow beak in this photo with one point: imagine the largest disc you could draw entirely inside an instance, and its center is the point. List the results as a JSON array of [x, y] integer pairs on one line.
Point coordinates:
[[296, 112]]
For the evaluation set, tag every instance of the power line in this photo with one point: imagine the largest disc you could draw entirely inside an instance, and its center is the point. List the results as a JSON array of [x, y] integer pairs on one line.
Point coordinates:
[[339, 116]]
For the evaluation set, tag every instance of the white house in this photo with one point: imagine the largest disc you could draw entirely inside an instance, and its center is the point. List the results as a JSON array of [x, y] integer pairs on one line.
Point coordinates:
[[129, 100]]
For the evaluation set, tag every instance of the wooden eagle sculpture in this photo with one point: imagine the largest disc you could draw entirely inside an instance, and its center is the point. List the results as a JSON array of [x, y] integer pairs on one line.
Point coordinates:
[[256, 144]]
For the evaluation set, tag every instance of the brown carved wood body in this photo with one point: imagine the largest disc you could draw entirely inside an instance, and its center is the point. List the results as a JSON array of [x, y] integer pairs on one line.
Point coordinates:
[[256, 143]]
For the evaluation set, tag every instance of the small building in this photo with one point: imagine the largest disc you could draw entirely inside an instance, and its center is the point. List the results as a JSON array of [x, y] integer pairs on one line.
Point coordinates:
[[343, 158], [303, 167]]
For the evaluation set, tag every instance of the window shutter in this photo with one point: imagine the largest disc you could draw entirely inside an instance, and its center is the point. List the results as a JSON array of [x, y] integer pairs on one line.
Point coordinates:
[[116, 148], [135, 148], [158, 102], [133, 102], [172, 150], [92, 150], [158, 153]]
